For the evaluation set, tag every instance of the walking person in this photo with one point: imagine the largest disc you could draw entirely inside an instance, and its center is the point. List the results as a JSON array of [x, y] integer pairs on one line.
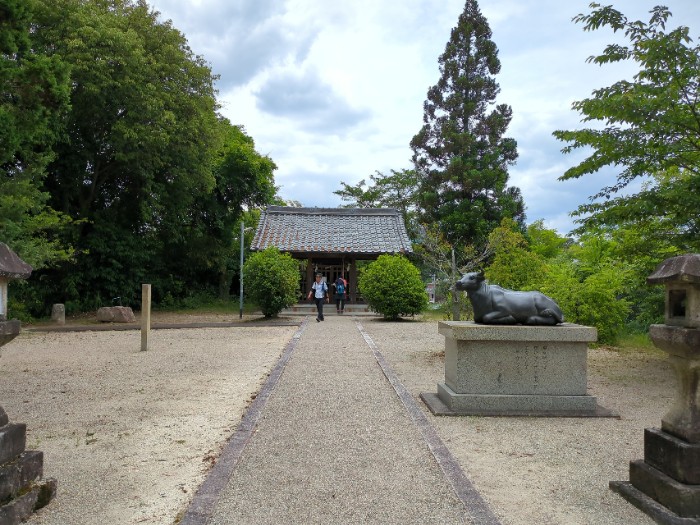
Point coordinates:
[[319, 290], [341, 289]]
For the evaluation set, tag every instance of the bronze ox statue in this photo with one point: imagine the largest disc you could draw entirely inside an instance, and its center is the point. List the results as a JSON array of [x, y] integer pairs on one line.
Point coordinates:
[[495, 305]]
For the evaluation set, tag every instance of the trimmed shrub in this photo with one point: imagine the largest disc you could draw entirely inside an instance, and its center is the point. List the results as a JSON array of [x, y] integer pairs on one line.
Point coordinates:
[[392, 286], [271, 280]]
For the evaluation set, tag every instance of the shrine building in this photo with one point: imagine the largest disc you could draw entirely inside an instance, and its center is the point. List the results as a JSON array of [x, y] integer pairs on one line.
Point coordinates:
[[331, 240]]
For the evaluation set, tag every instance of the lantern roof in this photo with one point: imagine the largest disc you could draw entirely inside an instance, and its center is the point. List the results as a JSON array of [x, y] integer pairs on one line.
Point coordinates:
[[684, 268], [11, 266]]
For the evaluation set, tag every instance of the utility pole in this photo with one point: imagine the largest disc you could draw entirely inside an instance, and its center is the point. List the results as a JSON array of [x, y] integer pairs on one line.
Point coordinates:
[[240, 294], [455, 292]]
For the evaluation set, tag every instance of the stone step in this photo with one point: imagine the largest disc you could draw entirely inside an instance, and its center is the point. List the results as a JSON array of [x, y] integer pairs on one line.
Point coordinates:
[[18, 474], [328, 309], [13, 441]]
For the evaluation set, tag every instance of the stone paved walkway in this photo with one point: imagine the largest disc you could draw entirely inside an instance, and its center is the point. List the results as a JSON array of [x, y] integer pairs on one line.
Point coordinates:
[[328, 440]]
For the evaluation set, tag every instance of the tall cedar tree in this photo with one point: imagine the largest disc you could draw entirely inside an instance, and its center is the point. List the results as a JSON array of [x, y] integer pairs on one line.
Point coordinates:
[[460, 153]]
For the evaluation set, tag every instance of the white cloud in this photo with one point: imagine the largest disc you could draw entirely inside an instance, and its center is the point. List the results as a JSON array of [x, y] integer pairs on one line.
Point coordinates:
[[333, 91]]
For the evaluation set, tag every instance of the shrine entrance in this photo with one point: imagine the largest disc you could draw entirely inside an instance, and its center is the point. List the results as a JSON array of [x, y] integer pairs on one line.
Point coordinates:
[[330, 269], [331, 240]]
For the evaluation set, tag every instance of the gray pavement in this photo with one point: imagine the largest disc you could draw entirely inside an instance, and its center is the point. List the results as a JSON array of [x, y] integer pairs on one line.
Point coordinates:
[[334, 438]]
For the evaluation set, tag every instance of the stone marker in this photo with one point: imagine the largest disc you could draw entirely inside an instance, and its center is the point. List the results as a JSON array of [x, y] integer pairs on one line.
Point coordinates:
[[666, 483], [515, 370], [21, 489], [116, 314], [58, 314]]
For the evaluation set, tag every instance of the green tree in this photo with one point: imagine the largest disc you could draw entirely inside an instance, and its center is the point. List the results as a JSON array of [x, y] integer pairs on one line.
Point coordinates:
[[138, 148], [244, 180], [392, 286], [33, 98], [271, 280], [460, 154], [545, 242], [648, 128], [514, 265], [397, 190]]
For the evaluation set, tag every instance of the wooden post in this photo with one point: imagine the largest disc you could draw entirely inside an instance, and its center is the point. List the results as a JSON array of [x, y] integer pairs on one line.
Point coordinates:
[[309, 276], [353, 281], [145, 315]]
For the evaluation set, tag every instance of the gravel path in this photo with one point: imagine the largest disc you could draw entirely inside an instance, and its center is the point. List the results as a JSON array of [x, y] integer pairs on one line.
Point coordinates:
[[335, 445]]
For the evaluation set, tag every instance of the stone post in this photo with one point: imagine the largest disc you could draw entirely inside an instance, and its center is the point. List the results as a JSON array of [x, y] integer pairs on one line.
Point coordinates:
[[58, 314], [666, 483]]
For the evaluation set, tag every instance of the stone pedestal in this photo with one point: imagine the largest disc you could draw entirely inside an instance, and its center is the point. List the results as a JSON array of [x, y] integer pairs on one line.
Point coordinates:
[[666, 484], [58, 314], [21, 489], [515, 371], [8, 331]]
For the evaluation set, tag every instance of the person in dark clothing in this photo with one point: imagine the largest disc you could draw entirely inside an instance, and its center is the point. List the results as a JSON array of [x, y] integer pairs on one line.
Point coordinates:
[[341, 290]]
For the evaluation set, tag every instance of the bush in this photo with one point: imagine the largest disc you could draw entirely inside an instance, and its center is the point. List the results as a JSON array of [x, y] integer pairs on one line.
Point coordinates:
[[271, 280], [392, 286], [595, 300]]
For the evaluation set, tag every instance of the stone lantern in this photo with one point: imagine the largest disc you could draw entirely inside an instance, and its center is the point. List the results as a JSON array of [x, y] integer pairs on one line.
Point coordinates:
[[21, 491], [666, 484]]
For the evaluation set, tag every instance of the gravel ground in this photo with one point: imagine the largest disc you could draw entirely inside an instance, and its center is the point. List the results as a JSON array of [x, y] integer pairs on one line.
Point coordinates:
[[130, 435], [544, 470]]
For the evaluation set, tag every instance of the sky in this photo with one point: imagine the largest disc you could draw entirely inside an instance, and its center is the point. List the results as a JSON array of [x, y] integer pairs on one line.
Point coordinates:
[[333, 91]]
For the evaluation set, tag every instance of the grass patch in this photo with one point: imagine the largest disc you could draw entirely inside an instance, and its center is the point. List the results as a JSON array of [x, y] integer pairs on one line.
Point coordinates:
[[636, 343]]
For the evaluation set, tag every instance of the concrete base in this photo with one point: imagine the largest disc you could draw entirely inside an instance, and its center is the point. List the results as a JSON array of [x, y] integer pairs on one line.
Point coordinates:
[[679, 498], [21, 489], [8, 331], [653, 509], [515, 370], [673, 456], [438, 408], [667, 476]]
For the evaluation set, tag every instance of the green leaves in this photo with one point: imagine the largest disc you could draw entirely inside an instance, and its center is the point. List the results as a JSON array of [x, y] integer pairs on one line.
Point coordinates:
[[649, 126], [114, 164], [392, 286], [271, 280], [33, 99]]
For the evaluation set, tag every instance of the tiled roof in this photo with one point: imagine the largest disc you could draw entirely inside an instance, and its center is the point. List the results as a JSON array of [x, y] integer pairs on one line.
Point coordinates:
[[332, 230], [11, 266]]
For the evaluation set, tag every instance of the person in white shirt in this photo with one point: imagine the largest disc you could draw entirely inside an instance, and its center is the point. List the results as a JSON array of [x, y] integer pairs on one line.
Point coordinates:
[[320, 292]]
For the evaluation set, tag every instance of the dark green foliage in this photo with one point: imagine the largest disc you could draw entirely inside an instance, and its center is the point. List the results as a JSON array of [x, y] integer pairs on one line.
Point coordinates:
[[143, 180], [460, 153], [243, 178], [392, 286], [34, 91], [271, 280], [513, 265], [397, 190], [587, 279], [591, 300]]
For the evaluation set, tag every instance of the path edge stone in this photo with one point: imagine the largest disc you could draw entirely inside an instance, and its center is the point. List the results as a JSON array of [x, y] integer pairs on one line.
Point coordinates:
[[202, 507], [475, 506]]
